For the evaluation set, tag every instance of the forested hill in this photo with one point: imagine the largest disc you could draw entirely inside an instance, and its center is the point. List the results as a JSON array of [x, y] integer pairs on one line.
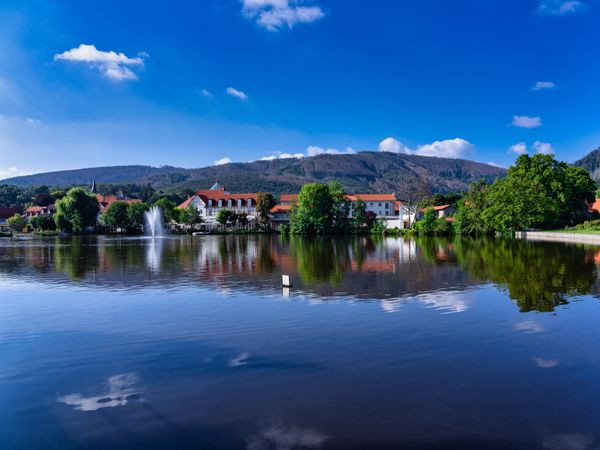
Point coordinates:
[[363, 172], [591, 163], [114, 174]]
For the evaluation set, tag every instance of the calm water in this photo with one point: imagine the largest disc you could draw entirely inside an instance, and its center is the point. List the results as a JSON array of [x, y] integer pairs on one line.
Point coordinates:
[[192, 343]]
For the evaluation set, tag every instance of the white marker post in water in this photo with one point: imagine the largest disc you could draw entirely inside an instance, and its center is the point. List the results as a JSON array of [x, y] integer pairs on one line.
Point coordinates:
[[285, 281]]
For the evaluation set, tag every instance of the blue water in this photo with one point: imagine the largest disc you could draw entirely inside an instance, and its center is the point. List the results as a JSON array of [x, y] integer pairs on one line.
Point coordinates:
[[192, 343]]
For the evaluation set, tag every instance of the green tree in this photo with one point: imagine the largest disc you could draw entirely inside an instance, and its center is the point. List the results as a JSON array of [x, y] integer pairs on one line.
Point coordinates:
[[190, 215], [224, 216], [264, 203], [242, 219], [468, 218], [340, 208], [168, 209], [42, 223], [427, 223], [16, 223], [359, 216], [539, 192], [10, 195], [313, 213], [116, 216], [57, 194], [135, 216], [77, 211]]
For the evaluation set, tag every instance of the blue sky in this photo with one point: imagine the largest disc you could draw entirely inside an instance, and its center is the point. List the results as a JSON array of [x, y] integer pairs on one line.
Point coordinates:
[[174, 83]]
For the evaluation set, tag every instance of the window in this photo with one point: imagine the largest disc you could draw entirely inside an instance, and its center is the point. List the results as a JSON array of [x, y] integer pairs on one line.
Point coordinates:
[[249, 202], [229, 203], [239, 202], [380, 205], [220, 203]]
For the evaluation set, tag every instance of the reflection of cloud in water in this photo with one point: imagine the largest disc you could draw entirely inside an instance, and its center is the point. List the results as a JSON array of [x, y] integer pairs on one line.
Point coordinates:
[[279, 438], [570, 441], [529, 326], [118, 391], [546, 363], [240, 360], [391, 306], [449, 301]]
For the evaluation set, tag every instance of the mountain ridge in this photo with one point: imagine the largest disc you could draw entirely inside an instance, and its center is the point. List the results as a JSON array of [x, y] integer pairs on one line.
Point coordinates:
[[591, 163], [362, 172]]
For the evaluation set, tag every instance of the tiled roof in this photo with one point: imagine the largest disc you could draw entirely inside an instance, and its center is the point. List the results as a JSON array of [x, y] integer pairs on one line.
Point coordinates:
[[281, 209], [288, 197], [372, 197], [595, 206], [9, 211], [352, 197], [220, 194], [107, 200]]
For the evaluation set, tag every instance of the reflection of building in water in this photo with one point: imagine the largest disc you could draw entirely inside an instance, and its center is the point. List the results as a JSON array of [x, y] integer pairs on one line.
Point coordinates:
[[538, 276]]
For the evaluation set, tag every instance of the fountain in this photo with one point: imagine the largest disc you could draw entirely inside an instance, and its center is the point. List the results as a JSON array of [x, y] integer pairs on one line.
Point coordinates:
[[153, 222]]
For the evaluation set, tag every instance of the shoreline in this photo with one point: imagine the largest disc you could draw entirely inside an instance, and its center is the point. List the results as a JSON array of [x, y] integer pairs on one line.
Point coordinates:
[[551, 236]]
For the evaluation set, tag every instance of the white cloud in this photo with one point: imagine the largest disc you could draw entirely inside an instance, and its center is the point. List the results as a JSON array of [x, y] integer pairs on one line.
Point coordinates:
[[206, 93], [544, 148], [538, 86], [519, 148], [275, 14], [236, 93], [118, 391], [115, 66], [220, 162], [13, 172], [529, 326], [313, 150], [569, 441], [560, 7], [527, 121], [450, 148], [240, 360], [546, 363], [32, 120], [393, 145], [279, 438]]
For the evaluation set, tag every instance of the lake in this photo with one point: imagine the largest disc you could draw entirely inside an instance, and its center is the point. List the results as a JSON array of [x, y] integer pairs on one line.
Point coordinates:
[[192, 343]]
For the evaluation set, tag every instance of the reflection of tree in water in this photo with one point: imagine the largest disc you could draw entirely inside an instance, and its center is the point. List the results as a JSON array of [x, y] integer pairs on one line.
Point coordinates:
[[323, 259], [75, 257], [538, 276]]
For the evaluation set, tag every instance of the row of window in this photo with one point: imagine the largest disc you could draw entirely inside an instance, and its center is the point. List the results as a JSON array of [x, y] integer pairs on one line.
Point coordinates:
[[240, 203]]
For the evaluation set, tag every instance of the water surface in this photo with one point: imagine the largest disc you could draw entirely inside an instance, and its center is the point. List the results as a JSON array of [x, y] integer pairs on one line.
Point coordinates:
[[380, 343]]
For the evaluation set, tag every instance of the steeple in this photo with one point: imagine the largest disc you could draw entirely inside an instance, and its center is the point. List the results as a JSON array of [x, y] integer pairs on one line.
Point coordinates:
[[94, 190], [216, 186]]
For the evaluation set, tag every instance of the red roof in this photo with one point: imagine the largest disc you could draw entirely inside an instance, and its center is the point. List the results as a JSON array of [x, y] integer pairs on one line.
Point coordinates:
[[436, 208], [281, 209], [219, 194], [595, 206], [9, 211], [107, 200], [372, 197], [288, 197]]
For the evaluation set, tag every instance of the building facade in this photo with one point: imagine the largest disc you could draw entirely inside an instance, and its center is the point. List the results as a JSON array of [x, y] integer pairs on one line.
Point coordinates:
[[384, 206], [209, 202]]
